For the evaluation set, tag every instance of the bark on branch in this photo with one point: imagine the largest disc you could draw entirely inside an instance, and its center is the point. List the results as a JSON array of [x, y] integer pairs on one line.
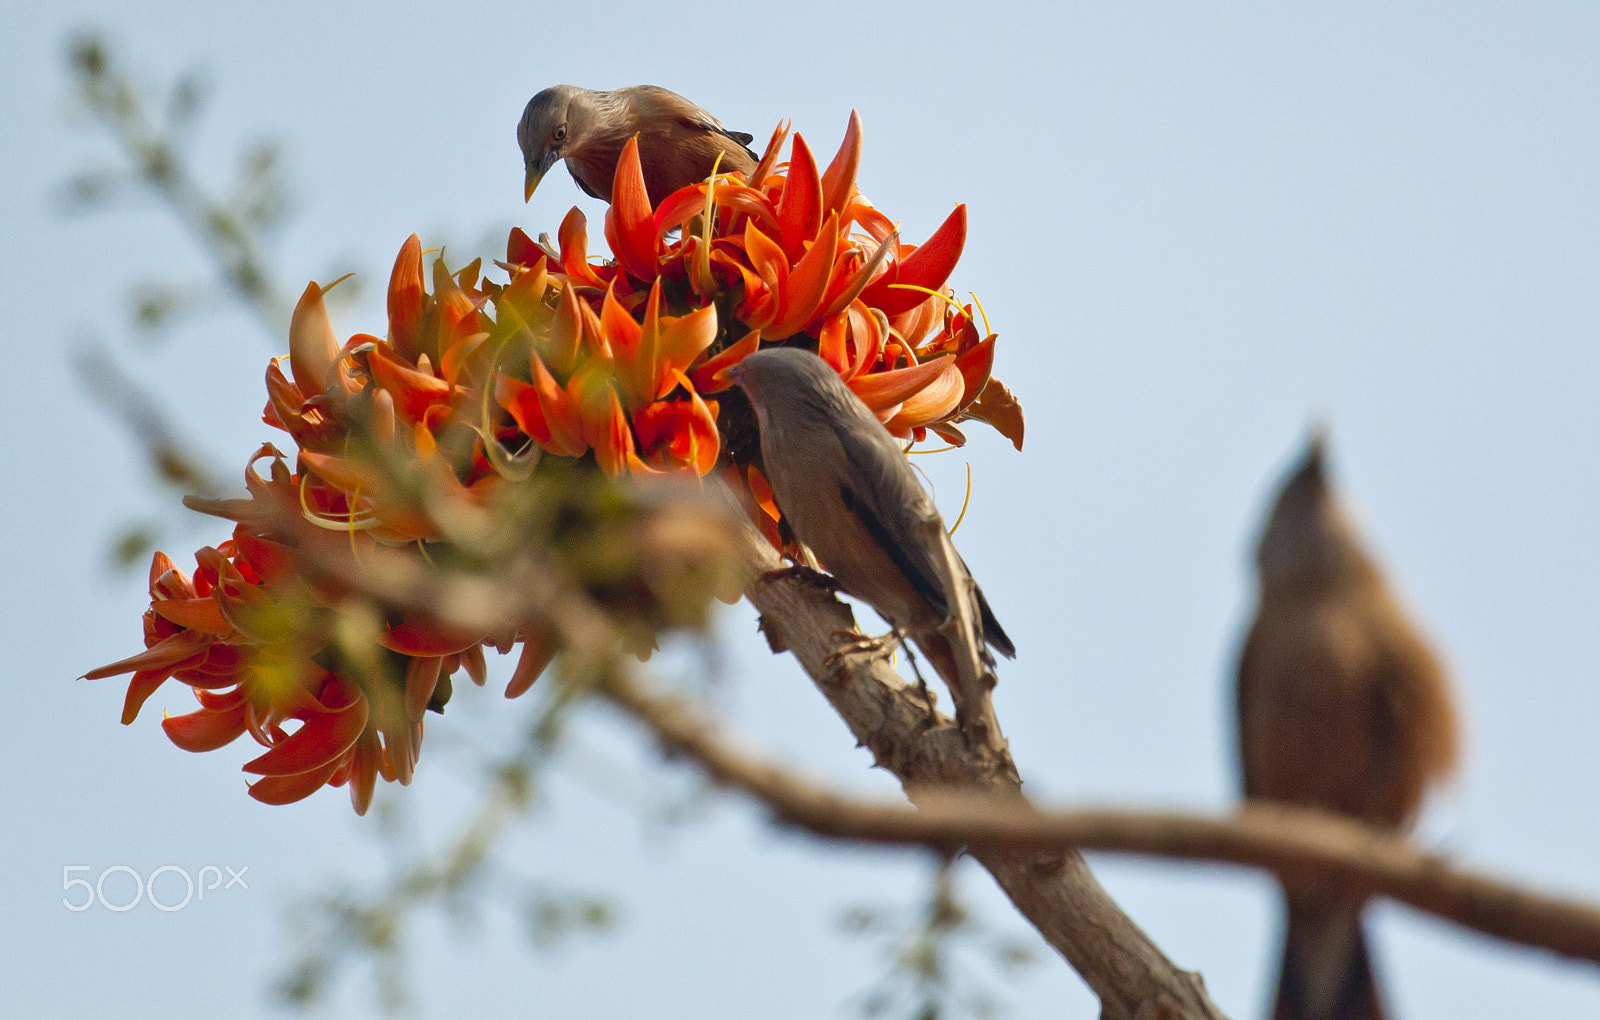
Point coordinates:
[[896, 721], [1292, 842]]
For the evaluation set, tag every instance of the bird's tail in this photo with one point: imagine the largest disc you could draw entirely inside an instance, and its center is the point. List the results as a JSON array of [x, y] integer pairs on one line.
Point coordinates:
[[1327, 970], [968, 689]]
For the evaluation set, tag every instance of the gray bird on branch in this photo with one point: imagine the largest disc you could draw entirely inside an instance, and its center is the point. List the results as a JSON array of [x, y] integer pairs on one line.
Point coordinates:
[[679, 142], [849, 494], [1342, 706]]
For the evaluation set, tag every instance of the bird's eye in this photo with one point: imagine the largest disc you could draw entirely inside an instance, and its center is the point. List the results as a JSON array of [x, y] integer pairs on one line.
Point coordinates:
[[561, 132]]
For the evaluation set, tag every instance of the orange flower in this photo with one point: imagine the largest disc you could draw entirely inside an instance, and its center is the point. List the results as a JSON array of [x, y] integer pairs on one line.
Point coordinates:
[[474, 382]]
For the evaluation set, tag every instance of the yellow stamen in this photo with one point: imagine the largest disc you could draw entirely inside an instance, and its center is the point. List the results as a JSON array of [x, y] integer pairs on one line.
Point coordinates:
[[703, 256], [513, 469], [965, 501], [336, 283], [981, 312], [946, 298], [368, 520], [941, 449], [355, 554]]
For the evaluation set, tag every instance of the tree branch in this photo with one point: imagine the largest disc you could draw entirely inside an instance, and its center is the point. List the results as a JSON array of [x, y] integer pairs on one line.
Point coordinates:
[[1293, 842], [897, 722]]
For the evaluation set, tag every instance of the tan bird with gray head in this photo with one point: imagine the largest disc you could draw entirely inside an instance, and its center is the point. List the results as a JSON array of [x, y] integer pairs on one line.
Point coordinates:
[[679, 143], [1342, 706], [849, 494]]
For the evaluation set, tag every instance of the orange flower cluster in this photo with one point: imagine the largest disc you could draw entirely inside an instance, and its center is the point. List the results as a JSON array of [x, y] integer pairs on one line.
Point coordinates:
[[476, 382]]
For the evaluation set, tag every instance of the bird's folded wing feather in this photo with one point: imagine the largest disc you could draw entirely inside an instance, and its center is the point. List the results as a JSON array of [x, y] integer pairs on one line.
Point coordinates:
[[702, 121], [887, 501]]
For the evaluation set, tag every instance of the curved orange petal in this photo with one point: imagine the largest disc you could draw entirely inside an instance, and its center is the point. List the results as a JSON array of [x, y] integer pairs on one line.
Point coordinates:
[[705, 440], [193, 614], [537, 651], [522, 401], [767, 257], [413, 391], [344, 474], [321, 739], [640, 377], [521, 249], [867, 331], [976, 365], [882, 390], [619, 330], [803, 292], [800, 207], [682, 340], [288, 789], [933, 402], [313, 347], [711, 376], [160, 563], [840, 178], [270, 560], [561, 414], [170, 652], [605, 426], [422, 676], [145, 682], [830, 344], [630, 223], [563, 341], [574, 238], [428, 638], [364, 772], [769, 156], [685, 204], [205, 730], [929, 266], [406, 297]]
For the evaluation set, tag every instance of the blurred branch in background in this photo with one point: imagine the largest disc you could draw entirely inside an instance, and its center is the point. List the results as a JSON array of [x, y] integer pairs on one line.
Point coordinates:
[[338, 928], [177, 464], [152, 134], [931, 973]]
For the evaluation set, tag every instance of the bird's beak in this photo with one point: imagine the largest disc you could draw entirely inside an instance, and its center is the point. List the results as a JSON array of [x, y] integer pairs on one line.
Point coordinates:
[[536, 172], [531, 182]]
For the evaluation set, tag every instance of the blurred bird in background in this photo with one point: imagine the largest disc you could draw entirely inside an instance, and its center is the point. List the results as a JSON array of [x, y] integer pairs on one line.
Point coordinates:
[[1342, 706], [849, 494], [678, 141]]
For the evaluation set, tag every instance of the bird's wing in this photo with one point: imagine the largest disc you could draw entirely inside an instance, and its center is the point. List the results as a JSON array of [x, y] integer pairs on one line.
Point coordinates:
[[1248, 693], [880, 464], [992, 631], [703, 121], [881, 482], [915, 569]]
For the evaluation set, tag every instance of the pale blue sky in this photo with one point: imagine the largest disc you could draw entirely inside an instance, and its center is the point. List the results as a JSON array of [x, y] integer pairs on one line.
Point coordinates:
[[1194, 230]]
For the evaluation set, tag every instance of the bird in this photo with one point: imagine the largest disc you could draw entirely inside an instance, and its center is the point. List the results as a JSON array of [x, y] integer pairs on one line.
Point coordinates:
[[1343, 706], [850, 496], [679, 143]]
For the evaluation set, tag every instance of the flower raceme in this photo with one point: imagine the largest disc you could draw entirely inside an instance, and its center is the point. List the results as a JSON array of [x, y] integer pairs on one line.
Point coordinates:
[[481, 392]]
